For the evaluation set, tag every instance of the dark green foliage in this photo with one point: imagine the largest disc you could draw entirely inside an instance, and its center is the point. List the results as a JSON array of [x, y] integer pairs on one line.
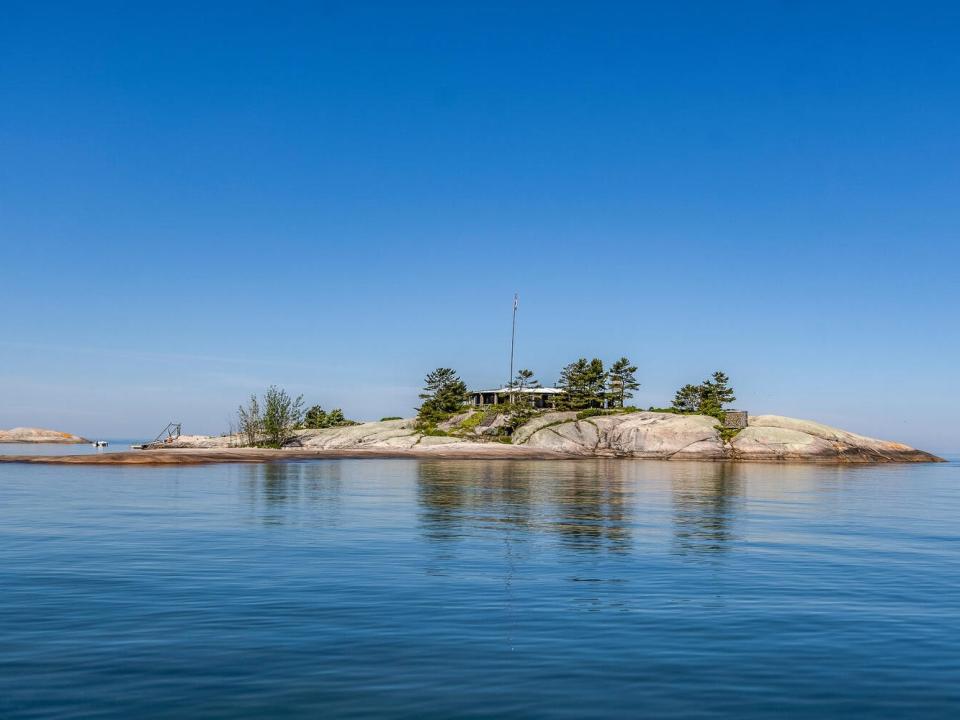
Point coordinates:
[[583, 383], [621, 382], [707, 398], [717, 391], [594, 412], [392, 417], [443, 392], [335, 418], [687, 399], [591, 412], [317, 418]]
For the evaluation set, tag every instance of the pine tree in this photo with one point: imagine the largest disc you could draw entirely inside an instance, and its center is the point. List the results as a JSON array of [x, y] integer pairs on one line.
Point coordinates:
[[583, 383], [523, 381], [315, 418], [687, 399], [707, 398], [335, 418], [621, 381], [443, 392]]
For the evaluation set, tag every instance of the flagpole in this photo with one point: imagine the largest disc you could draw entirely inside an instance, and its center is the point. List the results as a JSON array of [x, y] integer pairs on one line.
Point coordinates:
[[513, 336]]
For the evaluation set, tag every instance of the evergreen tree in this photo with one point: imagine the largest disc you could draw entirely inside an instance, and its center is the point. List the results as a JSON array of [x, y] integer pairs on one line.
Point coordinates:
[[524, 381], [443, 392], [315, 418], [687, 399], [718, 390], [707, 398], [621, 382], [583, 382]]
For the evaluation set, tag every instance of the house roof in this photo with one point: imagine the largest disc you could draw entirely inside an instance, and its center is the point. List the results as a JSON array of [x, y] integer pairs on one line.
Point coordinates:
[[537, 391]]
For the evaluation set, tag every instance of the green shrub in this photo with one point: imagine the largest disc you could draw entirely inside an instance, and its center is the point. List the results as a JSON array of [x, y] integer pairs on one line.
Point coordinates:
[[392, 417], [593, 412], [727, 434], [471, 422]]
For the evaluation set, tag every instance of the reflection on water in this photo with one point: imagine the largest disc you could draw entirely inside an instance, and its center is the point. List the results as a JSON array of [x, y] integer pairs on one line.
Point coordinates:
[[589, 505], [434, 588], [293, 493], [706, 507], [585, 504]]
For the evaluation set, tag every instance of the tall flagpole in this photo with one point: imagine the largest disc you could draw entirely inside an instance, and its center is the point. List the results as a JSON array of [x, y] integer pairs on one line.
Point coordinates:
[[513, 337]]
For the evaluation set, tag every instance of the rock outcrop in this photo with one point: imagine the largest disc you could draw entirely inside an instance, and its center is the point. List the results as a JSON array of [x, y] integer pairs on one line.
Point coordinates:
[[653, 435], [39, 435], [667, 436], [641, 434], [772, 437]]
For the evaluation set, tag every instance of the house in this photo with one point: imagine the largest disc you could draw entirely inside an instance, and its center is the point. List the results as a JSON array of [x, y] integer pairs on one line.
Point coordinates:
[[542, 397]]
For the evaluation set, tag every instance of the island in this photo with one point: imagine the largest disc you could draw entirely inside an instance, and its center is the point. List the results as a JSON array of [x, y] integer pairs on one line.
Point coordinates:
[[551, 435], [585, 416], [39, 435]]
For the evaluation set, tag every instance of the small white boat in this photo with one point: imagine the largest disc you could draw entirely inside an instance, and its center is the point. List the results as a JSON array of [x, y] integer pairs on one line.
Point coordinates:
[[99, 443]]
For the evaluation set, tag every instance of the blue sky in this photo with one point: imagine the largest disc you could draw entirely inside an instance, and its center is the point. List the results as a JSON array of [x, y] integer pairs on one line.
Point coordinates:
[[198, 200]]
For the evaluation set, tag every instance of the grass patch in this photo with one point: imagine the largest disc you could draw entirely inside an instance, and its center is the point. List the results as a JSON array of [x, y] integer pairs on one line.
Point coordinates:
[[595, 412], [471, 422]]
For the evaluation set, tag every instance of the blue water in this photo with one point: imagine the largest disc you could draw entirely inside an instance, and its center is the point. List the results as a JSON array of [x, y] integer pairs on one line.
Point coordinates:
[[435, 589]]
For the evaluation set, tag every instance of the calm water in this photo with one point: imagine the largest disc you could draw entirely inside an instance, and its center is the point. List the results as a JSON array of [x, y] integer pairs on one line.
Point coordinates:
[[424, 589]]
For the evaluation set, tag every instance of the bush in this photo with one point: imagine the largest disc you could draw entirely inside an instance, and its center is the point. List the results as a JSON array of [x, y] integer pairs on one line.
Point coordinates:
[[317, 418], [727, 434], [282, 415], [471, 422], [428, 418], [591, 412], [392, 417]]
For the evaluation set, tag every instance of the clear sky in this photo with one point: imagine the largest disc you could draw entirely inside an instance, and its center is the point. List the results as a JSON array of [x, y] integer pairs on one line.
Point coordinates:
[[200, 199]]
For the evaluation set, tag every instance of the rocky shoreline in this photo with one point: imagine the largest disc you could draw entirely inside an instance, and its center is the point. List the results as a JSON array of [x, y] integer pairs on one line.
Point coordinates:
[[556, 435]]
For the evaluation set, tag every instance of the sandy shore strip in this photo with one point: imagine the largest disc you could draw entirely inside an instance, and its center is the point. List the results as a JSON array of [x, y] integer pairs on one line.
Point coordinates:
[[191, 456]]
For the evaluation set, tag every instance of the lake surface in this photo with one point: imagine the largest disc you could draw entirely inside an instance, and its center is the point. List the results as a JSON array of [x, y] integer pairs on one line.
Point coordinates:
[[434, 589]]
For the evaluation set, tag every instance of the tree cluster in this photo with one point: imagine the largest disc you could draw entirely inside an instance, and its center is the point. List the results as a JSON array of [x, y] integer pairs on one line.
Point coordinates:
[[273, 420], [317, 418], [586, 384], [707, 398]]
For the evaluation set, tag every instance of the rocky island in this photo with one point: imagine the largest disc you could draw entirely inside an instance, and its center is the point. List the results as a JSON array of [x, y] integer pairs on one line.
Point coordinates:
[[39, 435], [641, 434], [649, 435]]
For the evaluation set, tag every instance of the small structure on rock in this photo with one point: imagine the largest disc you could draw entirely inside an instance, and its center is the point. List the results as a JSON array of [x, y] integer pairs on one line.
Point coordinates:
[[735, 419]]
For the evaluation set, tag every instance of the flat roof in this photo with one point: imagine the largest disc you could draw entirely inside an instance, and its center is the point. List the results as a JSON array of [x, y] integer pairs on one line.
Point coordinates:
[[539, 390]]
